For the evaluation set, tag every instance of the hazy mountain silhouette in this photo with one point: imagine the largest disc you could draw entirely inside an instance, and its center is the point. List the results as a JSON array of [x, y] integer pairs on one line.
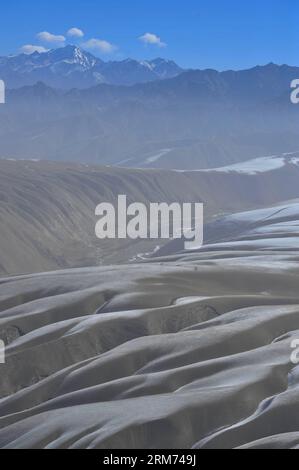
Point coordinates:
[[198, 119]]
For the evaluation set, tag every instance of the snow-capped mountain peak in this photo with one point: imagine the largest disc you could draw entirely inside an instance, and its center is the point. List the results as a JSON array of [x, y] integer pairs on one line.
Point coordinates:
[[71, 66]]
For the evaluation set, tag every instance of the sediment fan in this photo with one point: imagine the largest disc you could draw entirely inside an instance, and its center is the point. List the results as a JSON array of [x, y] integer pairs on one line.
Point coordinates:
[[189, 351]]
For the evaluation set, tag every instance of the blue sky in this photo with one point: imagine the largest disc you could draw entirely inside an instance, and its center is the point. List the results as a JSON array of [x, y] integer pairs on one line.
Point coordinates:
[[220, 34]]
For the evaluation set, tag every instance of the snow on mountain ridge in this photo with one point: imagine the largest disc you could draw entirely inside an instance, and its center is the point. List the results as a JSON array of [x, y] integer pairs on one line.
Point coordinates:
[[62, 67]]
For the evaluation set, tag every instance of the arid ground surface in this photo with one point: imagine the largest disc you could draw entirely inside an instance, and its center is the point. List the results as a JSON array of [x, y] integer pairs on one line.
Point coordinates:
[[189, 350]]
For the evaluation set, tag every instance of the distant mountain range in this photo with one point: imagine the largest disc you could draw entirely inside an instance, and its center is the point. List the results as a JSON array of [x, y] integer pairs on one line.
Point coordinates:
[[198, 119], [72, 67]]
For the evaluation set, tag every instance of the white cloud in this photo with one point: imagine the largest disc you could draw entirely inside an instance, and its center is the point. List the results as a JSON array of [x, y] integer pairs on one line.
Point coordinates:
[[75, 33], [45, 36], [152, 39], [30, 48], [99, 45]]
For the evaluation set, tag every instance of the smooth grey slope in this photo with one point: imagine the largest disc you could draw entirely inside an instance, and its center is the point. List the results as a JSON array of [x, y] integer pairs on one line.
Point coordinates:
[[189, 353], [47, 210]]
